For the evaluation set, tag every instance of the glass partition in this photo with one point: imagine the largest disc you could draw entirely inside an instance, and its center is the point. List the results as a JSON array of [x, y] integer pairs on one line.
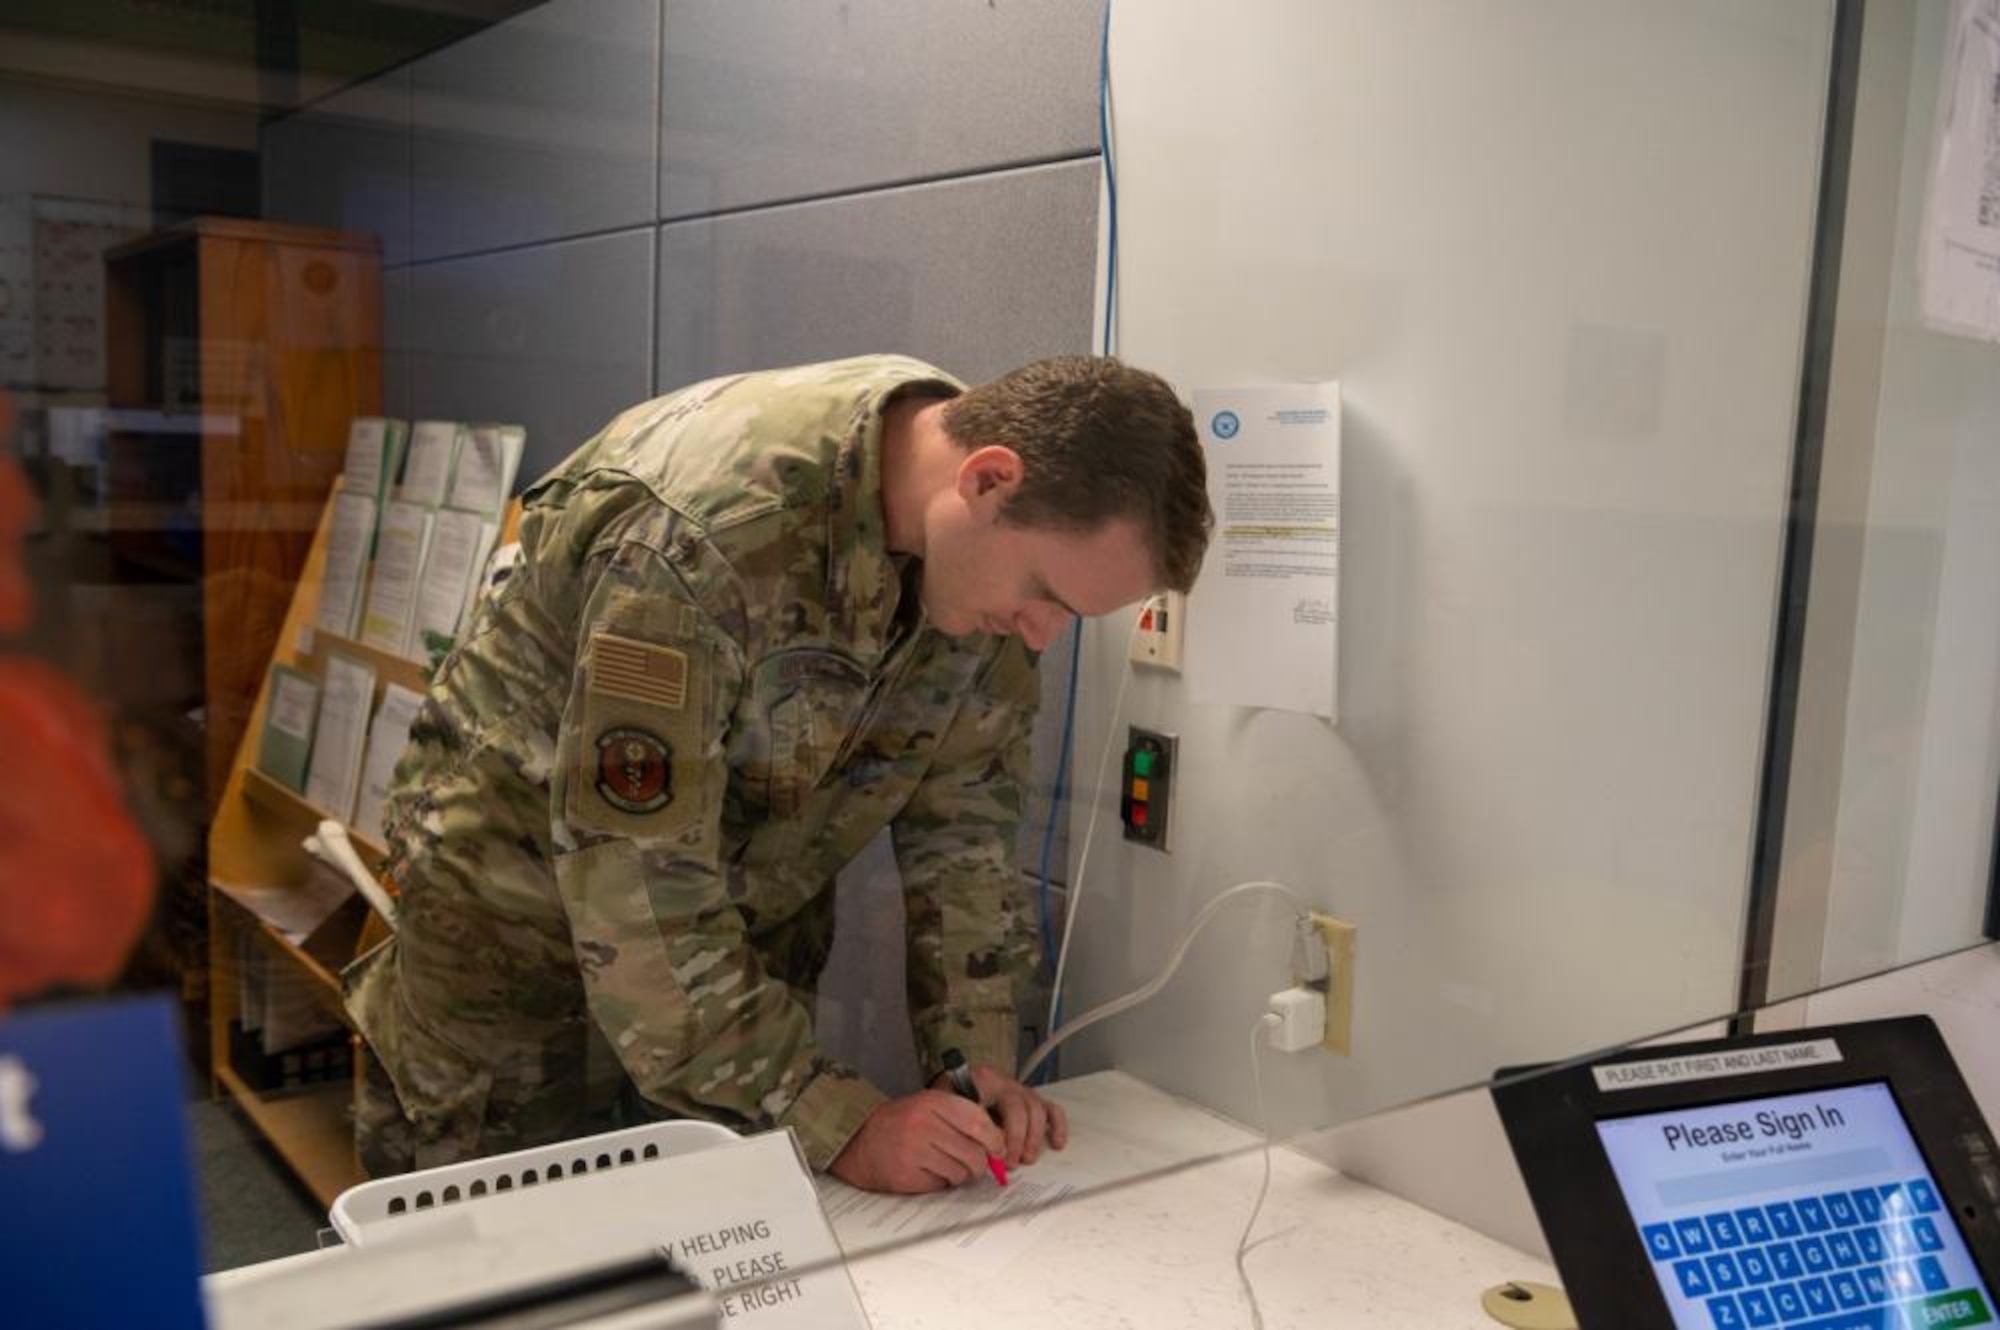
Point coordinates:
[[1666, 660], [1564, 267], [1632, 490], [1888, 847]]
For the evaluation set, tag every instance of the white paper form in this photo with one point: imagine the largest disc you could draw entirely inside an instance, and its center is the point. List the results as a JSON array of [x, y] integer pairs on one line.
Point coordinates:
[[488, 457], [347, 548], [1959, 282], [1006, 1220], [449, 568], [367, 437], [387, 737], [392, 587], [345, 696], [427, 469], [1262, 620]]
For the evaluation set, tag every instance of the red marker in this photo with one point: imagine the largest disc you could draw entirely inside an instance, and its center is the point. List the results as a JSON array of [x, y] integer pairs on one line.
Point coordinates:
[[961, 1084]]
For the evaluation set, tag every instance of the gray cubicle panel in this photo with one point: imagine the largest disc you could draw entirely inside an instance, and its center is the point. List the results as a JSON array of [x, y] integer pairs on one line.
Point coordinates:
[[557, 337], [769, 100], [538, 154], [399, 387], [344, 163], [977, 275], [540, 128]]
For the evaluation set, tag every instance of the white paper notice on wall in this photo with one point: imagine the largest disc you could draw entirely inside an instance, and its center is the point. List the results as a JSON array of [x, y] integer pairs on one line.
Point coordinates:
[[1959, 281], [1263, 620]]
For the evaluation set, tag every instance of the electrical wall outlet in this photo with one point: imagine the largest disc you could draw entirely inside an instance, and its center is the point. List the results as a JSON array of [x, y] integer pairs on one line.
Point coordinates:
[[1156, 638], [1339, 937]]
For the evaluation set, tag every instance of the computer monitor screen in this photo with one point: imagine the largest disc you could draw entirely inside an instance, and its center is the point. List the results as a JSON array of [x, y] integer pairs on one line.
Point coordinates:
[[1813, 1209]]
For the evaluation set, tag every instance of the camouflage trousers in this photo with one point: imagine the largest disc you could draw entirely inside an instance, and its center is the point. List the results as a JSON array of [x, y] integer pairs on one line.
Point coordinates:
[[384, 1140], [582, 1099], [387, 1142]]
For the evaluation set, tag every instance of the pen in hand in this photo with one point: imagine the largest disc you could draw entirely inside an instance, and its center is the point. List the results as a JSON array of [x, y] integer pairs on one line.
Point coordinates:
[[961, 1084]]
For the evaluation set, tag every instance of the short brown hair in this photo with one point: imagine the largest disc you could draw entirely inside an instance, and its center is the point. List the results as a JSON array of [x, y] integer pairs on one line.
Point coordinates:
[[1100, 441]]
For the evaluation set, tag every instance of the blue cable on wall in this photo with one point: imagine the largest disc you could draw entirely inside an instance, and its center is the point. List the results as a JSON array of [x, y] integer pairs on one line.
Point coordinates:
[[1061, 789], [1076, 626], [1110, 181]]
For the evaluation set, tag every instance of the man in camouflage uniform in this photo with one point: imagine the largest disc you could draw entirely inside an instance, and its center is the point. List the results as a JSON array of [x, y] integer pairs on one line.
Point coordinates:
[[754, 622]]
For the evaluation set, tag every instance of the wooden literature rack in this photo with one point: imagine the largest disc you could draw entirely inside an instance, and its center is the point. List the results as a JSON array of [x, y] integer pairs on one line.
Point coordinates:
[[257, 840]]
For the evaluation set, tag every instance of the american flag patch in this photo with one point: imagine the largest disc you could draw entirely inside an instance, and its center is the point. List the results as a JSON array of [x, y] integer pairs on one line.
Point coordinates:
[[638, 671]]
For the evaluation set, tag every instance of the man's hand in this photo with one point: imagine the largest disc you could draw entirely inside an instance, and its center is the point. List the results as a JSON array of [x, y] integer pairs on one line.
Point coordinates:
[[1026, 1119], [926, 1141]]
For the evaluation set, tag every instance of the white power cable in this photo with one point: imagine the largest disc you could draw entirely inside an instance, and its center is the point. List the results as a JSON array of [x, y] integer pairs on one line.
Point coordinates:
[[1264, 1022], [1073, 897], [1138, 995]]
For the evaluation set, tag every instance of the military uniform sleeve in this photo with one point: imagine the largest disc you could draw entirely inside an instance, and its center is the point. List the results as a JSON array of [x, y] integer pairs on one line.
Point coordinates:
[[636, 802], [971, 944]]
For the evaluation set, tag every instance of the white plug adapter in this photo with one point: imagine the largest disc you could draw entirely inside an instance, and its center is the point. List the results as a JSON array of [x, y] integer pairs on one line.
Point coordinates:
[[1301, 1014]]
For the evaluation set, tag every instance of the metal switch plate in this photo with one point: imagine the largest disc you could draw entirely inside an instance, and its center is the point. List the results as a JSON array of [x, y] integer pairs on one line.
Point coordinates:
[[1146, 785]]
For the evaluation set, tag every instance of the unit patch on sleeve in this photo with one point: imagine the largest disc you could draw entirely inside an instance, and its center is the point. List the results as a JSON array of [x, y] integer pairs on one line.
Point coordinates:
[[634, 769], [640, 756]]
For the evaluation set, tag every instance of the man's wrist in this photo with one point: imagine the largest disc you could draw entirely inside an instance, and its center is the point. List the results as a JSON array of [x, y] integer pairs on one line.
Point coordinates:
[[828, 1113]]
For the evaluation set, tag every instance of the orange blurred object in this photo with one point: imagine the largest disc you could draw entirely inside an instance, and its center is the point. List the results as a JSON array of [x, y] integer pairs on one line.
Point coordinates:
[[76, 875]]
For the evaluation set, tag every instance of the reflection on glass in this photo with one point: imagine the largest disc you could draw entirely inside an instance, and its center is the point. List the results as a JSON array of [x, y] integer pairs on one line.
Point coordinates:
[[1562, 265], [1890, 837]]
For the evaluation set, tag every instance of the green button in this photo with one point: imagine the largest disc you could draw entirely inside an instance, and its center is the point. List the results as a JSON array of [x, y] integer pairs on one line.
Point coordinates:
[[1142, 763], [1965, 1307]]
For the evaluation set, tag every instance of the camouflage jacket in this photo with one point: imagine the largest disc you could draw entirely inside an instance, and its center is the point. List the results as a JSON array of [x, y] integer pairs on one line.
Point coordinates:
[[705, 688]]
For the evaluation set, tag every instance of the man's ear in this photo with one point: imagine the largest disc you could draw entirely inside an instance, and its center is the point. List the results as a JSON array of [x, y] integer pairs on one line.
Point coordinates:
[[989, 475]]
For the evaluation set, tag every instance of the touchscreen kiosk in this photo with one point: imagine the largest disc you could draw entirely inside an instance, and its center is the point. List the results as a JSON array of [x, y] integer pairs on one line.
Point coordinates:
[[1831, 1179]]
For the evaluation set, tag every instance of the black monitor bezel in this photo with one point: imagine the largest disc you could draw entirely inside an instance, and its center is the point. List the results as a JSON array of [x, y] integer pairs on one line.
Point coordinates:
[[1551, 1112]]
